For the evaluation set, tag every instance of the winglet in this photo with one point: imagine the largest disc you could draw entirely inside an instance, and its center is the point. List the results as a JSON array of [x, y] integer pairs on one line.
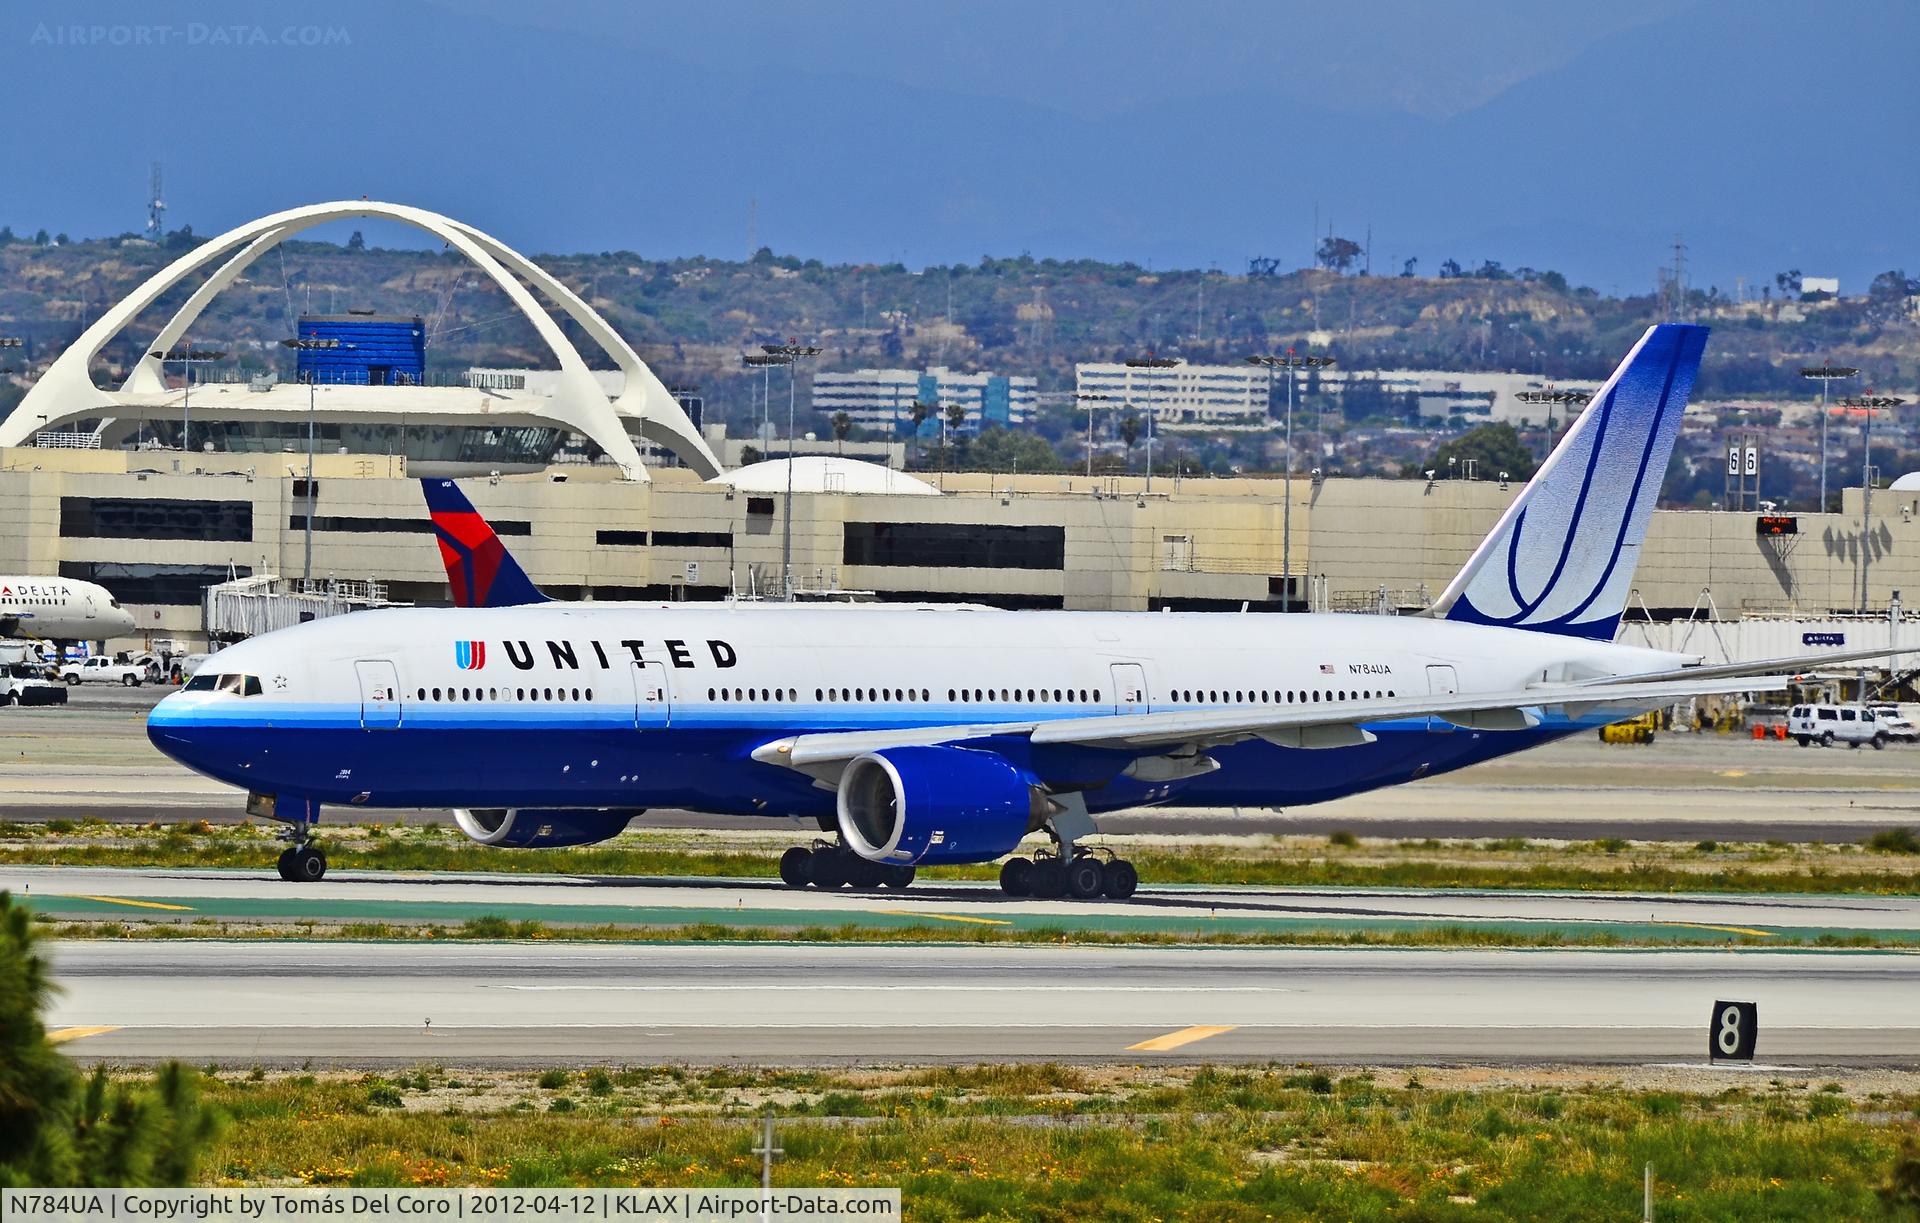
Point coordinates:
[[480, 571]]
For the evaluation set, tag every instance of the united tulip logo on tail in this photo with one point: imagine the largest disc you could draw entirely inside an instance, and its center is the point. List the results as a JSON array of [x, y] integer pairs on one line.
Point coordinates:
[[470, 655]]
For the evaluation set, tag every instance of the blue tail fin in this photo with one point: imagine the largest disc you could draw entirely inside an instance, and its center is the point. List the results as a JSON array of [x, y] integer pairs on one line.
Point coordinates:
[[479, 569], [1561, 559]]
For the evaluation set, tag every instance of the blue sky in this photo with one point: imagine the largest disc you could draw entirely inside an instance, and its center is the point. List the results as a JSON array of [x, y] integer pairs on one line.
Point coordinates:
[[1767, 134]]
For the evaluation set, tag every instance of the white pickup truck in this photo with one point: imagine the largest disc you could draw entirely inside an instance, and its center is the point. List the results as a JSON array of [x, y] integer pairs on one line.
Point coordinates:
[[26, 684], [104, 671]]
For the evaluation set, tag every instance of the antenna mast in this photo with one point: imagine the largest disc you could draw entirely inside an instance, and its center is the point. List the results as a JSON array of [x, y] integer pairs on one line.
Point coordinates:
[[156, 204]]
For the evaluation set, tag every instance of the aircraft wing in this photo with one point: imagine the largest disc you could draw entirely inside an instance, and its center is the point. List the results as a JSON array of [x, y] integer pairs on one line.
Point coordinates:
[[1340, 724], [1793, 664]]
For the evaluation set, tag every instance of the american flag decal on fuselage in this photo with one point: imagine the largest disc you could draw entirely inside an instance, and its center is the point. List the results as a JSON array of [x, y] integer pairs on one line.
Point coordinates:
[[470, 655]]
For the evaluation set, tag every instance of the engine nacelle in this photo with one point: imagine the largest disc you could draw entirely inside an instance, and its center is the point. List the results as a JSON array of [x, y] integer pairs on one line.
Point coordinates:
[[534, 828], [932, 805]]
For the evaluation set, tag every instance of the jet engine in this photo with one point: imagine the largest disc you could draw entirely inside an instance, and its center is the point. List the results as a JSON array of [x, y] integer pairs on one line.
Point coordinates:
[[533, 828], [917, 806]]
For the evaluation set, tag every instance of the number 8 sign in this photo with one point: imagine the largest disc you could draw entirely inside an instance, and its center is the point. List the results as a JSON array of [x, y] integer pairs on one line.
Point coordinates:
[[1731, 1033]]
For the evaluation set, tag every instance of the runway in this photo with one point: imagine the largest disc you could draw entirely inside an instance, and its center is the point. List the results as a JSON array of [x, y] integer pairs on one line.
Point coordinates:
[[559, 900], [466, 1004]]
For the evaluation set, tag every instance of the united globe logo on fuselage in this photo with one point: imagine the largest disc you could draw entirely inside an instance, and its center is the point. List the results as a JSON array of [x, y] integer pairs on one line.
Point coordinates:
[[470, 655]]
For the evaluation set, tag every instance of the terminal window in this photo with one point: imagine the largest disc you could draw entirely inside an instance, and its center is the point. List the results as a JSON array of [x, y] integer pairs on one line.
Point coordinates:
[[955, 545], [324, 522], [152, 585], [154, 518]]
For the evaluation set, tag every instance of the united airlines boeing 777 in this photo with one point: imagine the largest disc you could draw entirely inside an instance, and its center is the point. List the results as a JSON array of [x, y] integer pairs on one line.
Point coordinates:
[[922, 736]]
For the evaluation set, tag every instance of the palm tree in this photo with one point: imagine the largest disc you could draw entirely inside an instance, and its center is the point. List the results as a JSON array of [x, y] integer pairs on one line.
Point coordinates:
[[921, 410], [956, 416], [842, 425], [1130, 433]]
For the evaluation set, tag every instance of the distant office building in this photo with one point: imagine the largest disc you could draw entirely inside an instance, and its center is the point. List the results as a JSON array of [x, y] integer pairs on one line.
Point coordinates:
[[363, 350], [1190, 396], [1830, 285], [1480, 397], [883, 399]]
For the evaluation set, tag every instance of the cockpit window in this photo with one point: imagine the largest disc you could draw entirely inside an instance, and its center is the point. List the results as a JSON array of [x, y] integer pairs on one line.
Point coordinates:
[[235, 684]]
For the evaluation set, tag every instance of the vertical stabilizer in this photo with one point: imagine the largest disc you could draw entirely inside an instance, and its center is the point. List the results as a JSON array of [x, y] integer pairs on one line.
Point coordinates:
[[480, 571], [1561, 559]]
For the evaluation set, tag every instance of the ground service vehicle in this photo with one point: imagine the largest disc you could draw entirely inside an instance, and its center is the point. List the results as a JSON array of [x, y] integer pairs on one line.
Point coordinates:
[[1831, 724], [104, 671]]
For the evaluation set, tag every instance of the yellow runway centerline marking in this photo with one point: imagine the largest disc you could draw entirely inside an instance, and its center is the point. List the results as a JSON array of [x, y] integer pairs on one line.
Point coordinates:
[[978, 921], [1185, 1036], [138, 904], [64, 1035], [1694, 925]]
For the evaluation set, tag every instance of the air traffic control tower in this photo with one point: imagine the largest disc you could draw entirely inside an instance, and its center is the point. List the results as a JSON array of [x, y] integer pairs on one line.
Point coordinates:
[[361, 348]]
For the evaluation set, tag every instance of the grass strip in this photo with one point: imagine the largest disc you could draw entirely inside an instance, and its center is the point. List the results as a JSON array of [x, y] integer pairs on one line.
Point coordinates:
[[497, 929], [1126, 1143], [1884, 867]]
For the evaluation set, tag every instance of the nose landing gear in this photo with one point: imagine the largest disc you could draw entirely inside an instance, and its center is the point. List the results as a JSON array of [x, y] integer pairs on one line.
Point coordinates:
[[302, 864]]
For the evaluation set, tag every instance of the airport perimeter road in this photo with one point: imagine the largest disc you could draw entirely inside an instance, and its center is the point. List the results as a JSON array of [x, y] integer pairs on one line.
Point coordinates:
[[383, 1003], [365, 896]]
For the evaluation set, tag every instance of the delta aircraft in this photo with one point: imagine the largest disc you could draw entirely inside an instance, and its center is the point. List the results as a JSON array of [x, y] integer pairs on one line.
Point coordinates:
[[925, 736], [60, 609]]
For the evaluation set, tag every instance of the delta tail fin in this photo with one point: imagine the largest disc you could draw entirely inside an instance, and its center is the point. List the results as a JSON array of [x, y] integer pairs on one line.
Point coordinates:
[[479, 569], [1561, 559]]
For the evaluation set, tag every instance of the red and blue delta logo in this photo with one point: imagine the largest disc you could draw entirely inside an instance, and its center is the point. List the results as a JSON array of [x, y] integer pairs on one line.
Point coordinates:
[[470, 655]]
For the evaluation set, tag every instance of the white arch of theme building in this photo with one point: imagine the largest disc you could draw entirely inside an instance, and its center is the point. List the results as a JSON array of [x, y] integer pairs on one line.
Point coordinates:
[[65, 392]]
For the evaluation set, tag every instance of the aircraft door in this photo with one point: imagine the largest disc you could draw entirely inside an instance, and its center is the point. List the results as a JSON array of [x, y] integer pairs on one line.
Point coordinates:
[[653, 699], [379, 694], [1441, 681], [1129, 687], [93, 611]]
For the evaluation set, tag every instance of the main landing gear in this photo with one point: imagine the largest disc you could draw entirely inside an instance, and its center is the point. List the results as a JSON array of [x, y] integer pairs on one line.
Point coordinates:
[[832, 867], [1083, 876], [1070, 869]]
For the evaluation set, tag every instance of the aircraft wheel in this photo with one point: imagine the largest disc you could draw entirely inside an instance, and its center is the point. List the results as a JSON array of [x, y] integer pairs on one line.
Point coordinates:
[[796, 867], [1015, 876], [1086, 878], [829, 869], [897, 877], [1048, 878], [864, 874], [305, 865], [285, 865], [1122, 879]]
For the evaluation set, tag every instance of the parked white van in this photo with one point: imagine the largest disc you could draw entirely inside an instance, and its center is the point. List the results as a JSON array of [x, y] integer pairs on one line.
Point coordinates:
[[1831, 724]]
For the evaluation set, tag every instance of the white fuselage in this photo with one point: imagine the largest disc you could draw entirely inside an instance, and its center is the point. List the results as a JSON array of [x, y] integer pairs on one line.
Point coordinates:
[[60, 609]]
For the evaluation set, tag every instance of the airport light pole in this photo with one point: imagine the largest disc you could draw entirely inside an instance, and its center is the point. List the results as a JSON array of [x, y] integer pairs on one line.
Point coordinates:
[[765, 362], [1551, 397], [1150, 362], [1090, 401], [1292, 364], [310, 344], [793, 353], [1825, 374], [1868, 404], [186, 357]]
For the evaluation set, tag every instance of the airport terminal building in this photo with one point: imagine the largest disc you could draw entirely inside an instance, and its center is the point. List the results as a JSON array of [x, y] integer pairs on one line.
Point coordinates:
[[157, 528]]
